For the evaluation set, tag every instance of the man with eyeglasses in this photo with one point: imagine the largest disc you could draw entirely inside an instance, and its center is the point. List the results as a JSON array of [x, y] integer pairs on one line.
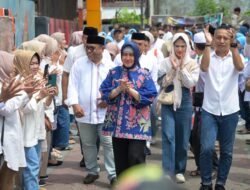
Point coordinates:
[[86, 76], [76, 53]]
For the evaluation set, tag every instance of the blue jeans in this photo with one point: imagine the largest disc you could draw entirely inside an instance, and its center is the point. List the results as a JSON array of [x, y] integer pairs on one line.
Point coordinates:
[[224, 128], [31, 172], [88, 135], [176, 129], [244, 109], [153, 118], [61, 134]]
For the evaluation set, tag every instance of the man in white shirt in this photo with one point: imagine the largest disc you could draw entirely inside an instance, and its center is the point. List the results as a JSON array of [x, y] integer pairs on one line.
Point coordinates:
[[73, 55], [77, 52], [221, 104], [119, 38], [158, 42], [86, 76]]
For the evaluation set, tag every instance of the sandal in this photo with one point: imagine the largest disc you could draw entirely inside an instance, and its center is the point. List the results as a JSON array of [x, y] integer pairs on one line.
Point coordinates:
[[54, 163], [195, 173], [57, 151], [72, 141], [243, 132], [56, 155], [248, 141], [64, 148]]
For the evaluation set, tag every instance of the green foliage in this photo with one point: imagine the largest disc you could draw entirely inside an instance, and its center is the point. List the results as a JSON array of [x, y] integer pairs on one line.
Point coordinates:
[[224, 7], [124, 16], [206, 7], [246, 13]]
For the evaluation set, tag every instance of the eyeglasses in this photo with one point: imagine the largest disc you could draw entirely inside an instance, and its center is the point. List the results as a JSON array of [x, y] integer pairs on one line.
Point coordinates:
[[90, 48]]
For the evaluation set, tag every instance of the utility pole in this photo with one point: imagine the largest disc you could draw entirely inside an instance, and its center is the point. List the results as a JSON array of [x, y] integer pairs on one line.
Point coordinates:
[[80, 14], [142, 13]]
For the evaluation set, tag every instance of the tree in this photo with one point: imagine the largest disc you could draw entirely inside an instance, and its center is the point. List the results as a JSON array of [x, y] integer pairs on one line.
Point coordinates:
[[124, 16], [204, 7], [246, 13]]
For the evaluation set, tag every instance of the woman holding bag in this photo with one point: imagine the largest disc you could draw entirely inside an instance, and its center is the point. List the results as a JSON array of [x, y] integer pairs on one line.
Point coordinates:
[[178, 73]]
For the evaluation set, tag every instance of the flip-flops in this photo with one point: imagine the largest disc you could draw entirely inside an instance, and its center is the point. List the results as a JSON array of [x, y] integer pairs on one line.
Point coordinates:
[[195, 173], [248, 141], [243, 132]]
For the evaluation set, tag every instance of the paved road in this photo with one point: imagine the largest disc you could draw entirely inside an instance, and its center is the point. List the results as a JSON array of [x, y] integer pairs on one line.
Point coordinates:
[[69, 176]]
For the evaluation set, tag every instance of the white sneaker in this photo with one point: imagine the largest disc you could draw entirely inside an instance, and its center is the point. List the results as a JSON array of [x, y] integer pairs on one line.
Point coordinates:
[[241, 122], [180, 178]]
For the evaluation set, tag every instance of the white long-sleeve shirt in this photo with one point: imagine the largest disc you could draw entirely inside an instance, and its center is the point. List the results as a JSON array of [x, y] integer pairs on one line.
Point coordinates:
[[84, 81], [34, 123], [13, 146]]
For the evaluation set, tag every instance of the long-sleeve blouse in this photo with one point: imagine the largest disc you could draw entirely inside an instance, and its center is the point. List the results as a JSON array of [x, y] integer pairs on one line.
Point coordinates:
[[188, 75], [126, 117], [13, 135]]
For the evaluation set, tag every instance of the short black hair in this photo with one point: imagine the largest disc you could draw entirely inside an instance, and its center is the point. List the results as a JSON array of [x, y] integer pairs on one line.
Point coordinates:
[[246, 25], [237, 9], [200, 46], [211, 30], [224, 26], [179, 27], [153, 28], [116, 31]]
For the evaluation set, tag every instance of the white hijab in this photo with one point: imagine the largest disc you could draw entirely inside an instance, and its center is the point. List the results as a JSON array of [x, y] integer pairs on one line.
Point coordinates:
[[187, 58]]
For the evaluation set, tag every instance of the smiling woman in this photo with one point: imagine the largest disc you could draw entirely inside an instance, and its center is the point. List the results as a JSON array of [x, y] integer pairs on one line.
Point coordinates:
[[128, 90], [182, 72]]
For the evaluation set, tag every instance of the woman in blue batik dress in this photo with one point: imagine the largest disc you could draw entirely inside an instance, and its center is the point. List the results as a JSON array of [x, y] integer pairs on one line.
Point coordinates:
[[128, 90]]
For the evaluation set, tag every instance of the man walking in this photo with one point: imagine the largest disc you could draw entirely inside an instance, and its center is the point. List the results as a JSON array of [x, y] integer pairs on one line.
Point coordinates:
[[221, 104], [85, 78]]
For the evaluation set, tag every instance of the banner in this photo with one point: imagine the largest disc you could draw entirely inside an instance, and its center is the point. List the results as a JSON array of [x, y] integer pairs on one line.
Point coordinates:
[[215, 20]]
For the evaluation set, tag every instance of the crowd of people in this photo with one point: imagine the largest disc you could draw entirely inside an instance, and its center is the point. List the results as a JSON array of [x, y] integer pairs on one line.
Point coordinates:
[[116, 86]]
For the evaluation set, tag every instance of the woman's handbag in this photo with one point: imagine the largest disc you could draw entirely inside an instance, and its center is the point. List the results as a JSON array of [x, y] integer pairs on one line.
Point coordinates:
[[247, 85], [198, 99], [166, 95]]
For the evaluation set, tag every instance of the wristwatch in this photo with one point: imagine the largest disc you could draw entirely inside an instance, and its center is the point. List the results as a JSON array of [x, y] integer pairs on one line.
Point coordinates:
[[233, 45]]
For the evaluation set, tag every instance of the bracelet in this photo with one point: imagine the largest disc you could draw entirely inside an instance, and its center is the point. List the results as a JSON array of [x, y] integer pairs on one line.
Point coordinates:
[[208, 45]]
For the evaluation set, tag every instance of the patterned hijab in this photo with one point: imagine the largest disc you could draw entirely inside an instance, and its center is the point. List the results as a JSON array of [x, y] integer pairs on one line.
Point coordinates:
[[6, 64], [22, 61]]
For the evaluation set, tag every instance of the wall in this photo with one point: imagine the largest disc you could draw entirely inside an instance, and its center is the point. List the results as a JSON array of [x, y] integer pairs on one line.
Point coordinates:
[[24, 13]]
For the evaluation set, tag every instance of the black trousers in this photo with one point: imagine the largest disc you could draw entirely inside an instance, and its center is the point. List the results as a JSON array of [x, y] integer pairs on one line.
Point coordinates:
[[127, 153], [195, 142]]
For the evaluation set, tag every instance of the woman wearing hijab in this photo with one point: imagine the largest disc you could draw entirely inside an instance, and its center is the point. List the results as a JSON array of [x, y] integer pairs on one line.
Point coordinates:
[[60, 38], [113, 50], [178, 73], [11, 135], [34, 45], [33, 124], [128, 90]]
